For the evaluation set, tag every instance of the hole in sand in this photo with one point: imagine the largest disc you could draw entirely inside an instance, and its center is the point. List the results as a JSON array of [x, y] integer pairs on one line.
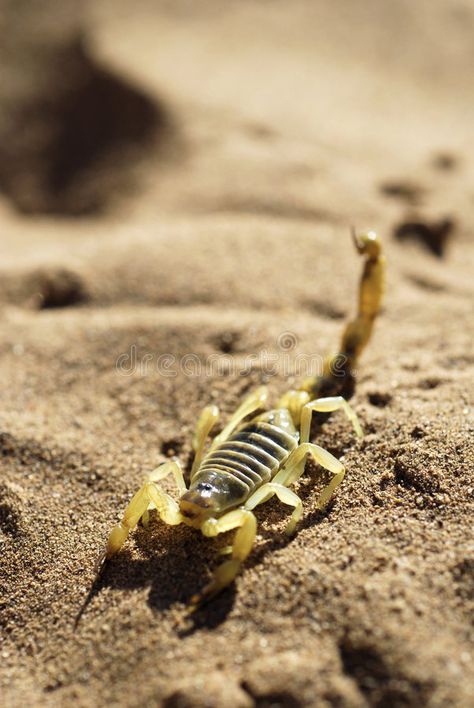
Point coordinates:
[[57, 288], [380, 399], [433, 235], [227, 341], [323, 308], [404, 191], [445, 161], [171, 447]]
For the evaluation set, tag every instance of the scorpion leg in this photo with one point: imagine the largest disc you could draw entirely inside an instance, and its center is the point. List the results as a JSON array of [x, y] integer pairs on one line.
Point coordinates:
[[294, 468], [252, 403], [285, 495], [171, 467], [206, 422], [246, 524], [327, 405], [148, 496], [294, 401]]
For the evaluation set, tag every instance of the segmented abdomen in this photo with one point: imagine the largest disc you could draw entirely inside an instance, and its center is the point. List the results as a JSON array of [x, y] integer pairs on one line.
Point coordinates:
[[252, 455]]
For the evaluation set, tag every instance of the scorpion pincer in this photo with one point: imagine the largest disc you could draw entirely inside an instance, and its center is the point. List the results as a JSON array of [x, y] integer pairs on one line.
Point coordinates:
[[259, 454]]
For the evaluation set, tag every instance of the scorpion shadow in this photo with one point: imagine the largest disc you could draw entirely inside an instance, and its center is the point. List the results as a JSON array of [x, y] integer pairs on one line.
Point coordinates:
[[175, 563]]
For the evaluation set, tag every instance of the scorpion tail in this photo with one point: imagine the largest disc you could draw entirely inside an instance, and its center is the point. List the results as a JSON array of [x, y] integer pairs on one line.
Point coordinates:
[[358, 332], [337, 376]]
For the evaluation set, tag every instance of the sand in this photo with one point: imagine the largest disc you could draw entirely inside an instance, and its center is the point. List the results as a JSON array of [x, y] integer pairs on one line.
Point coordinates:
[[222, 240]]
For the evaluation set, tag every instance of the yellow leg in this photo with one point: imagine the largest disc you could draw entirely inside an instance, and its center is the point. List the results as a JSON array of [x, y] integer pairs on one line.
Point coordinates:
[[294, 468], [246, 523], [254, 402], [327, 405], [171, 467], [206, 422], [294, 401], [149, 496], [285, 495]]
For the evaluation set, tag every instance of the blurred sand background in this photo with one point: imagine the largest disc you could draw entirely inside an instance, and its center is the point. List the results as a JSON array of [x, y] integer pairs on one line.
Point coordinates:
[[179, 177]]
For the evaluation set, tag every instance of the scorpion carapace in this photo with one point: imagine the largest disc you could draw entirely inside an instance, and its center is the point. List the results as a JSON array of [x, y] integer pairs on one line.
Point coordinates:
[[258, 455]]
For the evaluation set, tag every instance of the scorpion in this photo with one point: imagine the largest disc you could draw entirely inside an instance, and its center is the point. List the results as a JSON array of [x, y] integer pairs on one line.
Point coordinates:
[[258, 454]]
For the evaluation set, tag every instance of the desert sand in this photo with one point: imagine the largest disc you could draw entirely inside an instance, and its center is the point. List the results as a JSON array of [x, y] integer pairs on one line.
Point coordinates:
[[215, 231]]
